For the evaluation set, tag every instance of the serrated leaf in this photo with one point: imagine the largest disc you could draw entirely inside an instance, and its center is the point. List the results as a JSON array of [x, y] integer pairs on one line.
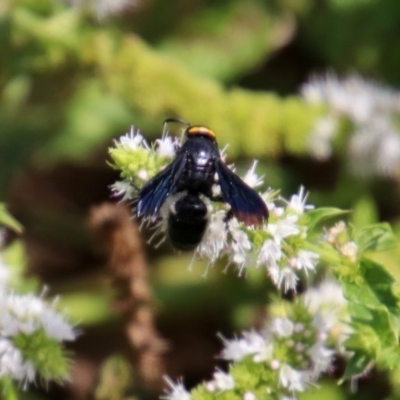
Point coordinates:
[[380, 282], [382, 324], [366, 309], [363, 339], [389, 357], [376, 237], [356, 365], [319, 215], [8, 221], [360, 294]]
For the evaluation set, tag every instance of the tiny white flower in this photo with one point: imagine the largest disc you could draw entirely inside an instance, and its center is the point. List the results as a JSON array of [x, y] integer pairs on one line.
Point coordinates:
[[329, 294], [275, 364], [284, 227], [104, 8], [214, 238], [166, 147], [12, 364], [329, 307], [56, 326], [287, 279], [349, 250], [259, 346], [332, 234], [143, 174], [322, 135], [388, 157], [249, 396], [4, 275], [234, 350], [124, 189], [264, 353], [240, 242], [211, 386], [298, 201], [223, 381], [270, 253], [132, 140], [251, 178], [216, 190], [293, 380], [321, 357], [283, 327], [252, 342], [304, 260], [274, 273], [177, 391]]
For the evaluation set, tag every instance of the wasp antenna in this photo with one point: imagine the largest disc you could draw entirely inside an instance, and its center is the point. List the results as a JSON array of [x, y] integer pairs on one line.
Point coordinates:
[[176, 120], [170, 121]]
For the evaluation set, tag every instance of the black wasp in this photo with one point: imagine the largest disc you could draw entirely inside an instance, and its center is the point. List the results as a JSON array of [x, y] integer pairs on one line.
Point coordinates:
[[197, 171]]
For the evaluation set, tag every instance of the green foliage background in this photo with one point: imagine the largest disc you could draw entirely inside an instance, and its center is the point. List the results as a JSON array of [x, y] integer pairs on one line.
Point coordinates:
[[70, 83]]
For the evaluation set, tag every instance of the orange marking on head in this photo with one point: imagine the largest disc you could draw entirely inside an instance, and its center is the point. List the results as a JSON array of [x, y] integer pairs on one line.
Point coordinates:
[[200, 130]]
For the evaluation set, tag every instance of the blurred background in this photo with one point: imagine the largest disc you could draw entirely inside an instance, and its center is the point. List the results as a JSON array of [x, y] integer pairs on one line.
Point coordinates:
[[74, 75]]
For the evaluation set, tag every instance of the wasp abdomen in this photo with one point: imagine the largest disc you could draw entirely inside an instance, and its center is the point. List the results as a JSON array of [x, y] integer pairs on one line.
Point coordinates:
[[187, 222]]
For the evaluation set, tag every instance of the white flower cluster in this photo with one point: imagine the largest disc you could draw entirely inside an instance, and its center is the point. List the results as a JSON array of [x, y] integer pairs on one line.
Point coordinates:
[[279, 243], [279, 246], [328, 299], [295, 348], [132, 142], [338, 237], [374, 146], [304, 338], [26, 316]]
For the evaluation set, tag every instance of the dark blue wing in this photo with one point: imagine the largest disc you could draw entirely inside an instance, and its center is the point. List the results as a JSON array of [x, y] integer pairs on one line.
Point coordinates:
[[246, 204], [153, 194]]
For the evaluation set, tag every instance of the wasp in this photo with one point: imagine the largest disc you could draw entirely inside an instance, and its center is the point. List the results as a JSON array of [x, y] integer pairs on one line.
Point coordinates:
[[197, 172]]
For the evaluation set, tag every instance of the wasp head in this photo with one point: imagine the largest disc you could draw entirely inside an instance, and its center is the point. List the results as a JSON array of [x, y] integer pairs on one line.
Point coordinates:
[[198, 130]]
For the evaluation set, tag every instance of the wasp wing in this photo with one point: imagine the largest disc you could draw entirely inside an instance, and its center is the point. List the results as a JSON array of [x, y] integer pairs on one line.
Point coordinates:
[[247, 206], [153, 194]]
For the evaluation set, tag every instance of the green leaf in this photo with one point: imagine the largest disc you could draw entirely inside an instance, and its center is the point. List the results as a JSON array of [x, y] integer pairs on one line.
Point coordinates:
[[360, 294], [365, 212], [368, 311], [380, 282], [389, 357], [356, 365], [7, 389], [382, 323], [375, 237], [319, 215], [8, 221]]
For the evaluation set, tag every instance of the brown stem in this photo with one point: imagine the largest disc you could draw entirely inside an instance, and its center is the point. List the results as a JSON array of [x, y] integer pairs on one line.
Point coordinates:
[[119, 238]]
